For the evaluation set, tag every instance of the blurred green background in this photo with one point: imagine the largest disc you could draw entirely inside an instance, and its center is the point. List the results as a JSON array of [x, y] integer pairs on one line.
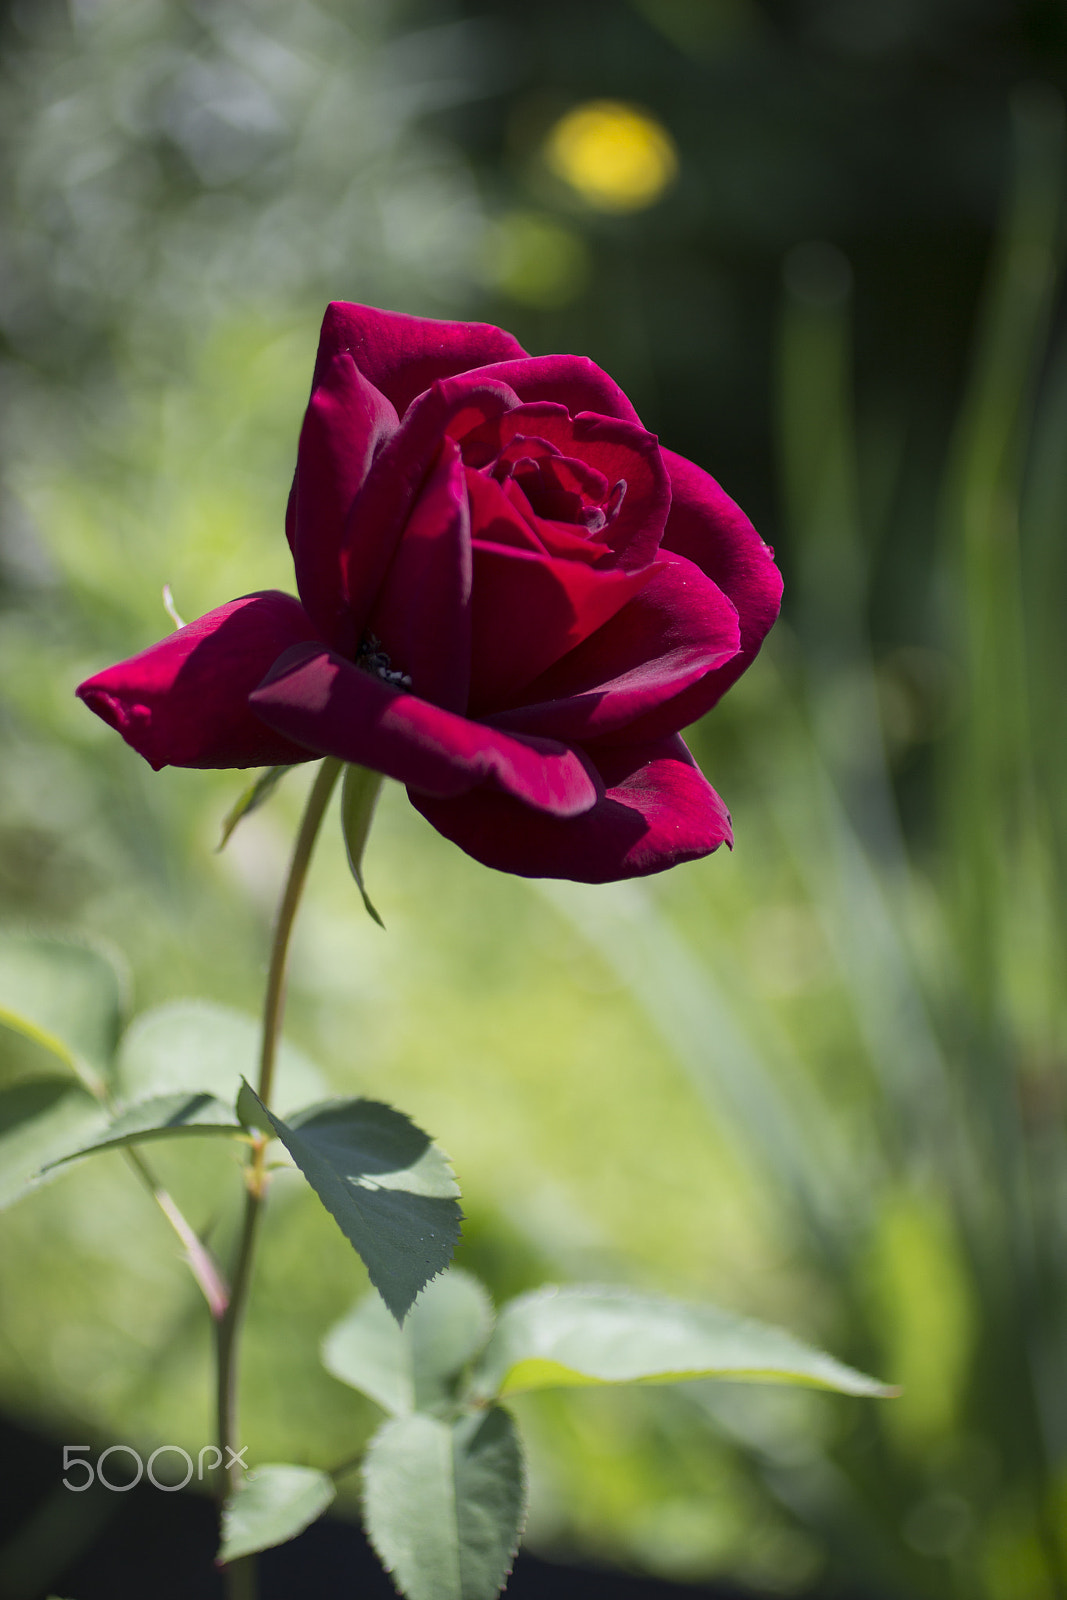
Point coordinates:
[[821, 1079]]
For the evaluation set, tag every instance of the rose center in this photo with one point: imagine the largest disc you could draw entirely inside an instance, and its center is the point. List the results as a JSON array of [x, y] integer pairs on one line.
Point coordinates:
[[370, 657], [543, 482]]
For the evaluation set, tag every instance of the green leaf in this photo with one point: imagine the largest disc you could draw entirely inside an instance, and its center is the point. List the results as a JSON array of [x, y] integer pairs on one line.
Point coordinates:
[[416, 1367], [193, 1044], [40, 1119], [67, 997], [251, 799], [444, 1504], [251, 1113], [359, 796], [560, 1338], [388, 1187], [28, 1051], [275, 1504], [166, 1116]]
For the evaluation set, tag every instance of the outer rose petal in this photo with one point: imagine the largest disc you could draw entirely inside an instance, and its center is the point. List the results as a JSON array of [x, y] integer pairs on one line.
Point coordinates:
[[423, 613], [184, 701], [336, 709], [404, 355], [347, 421], [395, 481], [657, 810], [670, 636], [575, 381], [708, 527]]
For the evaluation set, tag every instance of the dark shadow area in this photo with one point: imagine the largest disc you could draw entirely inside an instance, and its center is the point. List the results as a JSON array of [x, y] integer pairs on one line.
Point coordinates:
[[101, 1545]]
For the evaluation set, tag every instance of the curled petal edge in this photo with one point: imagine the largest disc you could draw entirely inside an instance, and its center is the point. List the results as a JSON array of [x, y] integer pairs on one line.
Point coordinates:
[[184, 701], [657, 810], [334, 708]]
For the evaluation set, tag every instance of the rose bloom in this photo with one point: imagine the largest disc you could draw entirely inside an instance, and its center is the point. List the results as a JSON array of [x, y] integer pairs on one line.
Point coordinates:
[[511, 600]]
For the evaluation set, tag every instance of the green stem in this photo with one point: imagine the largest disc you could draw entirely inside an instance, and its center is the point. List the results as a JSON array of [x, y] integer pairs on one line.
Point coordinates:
[[274, 999], [241, 1574], [198, 1257]]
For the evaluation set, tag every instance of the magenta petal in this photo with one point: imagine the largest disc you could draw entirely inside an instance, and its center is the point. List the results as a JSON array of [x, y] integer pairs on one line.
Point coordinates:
[[401, 355], [336, 709], [422, 615], [630, 674], [501, 514], [573, 381], [395, 481], [528, 610], [710, 529], [657, 810], [620, 452], [346, 422], [184, 701]]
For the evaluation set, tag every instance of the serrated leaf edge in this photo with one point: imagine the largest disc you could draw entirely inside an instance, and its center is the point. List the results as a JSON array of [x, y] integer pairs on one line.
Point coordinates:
[[328, 1105], [152, 1135], [222, 1559], [524, 1483]]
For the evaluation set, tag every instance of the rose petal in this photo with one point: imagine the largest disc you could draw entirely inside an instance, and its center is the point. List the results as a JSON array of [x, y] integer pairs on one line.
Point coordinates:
[[563, 479], [184, 701], [657, 810], [563, 539], [528, 610], [501, 514], [395, 480], [401, 355], [619, 451], [706, 525], [347, 421], [501, 440], [623, 453], [631, 672], [526, 530], [336, 709], [422, 615], [574, 381]]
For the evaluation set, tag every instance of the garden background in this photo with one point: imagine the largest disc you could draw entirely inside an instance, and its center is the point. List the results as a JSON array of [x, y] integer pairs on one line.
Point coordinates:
[[820, 1080]]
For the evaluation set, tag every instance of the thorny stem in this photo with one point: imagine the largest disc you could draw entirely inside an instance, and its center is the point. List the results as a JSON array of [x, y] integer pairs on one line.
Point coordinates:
[[241, 1574]]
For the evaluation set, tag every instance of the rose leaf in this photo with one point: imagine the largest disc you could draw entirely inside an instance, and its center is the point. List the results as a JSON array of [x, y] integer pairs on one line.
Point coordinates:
[[444, 1503], [562, 1338], [388, 1187], [40, 1119], [192, 1044], [165, 1116], [419, 1366], [63, 997], [275, 1504]]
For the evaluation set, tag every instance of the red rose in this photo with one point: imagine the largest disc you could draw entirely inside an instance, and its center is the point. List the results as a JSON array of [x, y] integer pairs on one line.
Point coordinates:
[[511, 600]]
